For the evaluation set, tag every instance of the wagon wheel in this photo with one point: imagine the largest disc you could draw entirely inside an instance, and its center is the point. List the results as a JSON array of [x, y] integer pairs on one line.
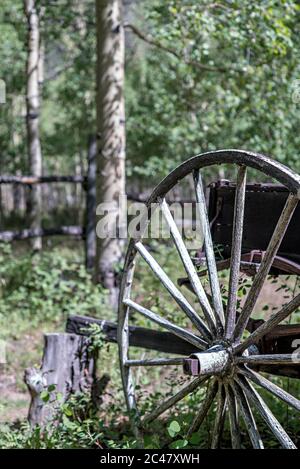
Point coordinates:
[[221, 349]]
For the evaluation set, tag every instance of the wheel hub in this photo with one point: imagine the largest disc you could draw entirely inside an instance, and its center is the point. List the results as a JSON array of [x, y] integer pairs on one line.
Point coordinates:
[[215, 360]]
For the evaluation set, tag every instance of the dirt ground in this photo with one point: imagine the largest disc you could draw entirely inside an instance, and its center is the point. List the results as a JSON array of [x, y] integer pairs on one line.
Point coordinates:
[[14, 397]]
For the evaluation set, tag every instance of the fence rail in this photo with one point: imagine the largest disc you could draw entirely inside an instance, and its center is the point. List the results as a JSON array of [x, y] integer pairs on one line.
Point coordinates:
[[30, 180], [87, 231], [76, 231]]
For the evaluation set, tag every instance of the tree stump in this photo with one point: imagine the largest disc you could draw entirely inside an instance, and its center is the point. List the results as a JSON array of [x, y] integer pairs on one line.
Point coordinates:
[[67, 364]]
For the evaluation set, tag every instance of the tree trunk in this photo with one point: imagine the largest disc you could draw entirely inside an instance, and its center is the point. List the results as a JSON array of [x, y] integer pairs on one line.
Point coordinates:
[[69, 367], [90, 211], [110, 139], [34, 66]]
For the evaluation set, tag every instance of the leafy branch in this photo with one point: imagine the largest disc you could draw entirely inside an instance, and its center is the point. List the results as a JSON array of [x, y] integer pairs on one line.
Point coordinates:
[[153, 42]]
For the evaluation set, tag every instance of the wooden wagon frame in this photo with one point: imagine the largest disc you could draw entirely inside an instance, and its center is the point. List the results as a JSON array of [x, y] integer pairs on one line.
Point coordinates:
[[258, 226]]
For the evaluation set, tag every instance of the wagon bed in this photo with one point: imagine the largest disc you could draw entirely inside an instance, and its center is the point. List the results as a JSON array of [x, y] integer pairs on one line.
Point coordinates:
[[263, 206]]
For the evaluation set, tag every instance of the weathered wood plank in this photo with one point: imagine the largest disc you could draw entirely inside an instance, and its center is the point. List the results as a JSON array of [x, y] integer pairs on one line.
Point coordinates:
[[266, 414], [275, 359], [188, 265], [264, 203], [209, 251], [165, 324], [204, 408], [173, 291], [269, 326], [138, 336], [272, 388], [236, 250], [281, 336], [260, 278], [247, 416], [168, 342]]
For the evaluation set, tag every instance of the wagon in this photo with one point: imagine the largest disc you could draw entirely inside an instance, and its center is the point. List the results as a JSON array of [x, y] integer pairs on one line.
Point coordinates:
[[224, 353]]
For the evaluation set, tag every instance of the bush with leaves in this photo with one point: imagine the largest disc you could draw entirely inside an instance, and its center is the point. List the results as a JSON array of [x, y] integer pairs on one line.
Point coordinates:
[[45, 287]]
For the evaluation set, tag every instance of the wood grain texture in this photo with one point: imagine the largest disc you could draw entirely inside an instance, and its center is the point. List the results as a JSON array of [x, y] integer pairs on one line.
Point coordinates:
[[264, 411], [179, 331], [171, 401], [236, 252], [247, 416], [189, 266], [265, 265], [209, 253], [174, 291], [204, 408], [271, 387], [233, 417], [69, 365], [165, 342], [269, 325]]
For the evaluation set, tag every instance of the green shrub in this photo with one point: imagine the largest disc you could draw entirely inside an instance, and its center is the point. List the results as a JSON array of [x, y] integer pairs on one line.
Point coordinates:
[[45, 287]]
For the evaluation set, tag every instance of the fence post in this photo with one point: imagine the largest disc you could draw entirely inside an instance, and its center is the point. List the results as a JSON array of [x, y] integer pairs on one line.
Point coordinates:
[[90, 222]]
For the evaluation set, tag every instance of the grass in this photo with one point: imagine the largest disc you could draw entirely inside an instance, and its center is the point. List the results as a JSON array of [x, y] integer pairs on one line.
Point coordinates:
[[36, 296]]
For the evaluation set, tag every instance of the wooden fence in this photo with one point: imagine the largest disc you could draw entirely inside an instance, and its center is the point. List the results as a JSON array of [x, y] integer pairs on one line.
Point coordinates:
[[86, 232]]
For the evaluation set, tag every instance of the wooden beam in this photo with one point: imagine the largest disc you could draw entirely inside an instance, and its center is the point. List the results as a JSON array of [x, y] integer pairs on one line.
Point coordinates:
[[138, 336], [167, 342]]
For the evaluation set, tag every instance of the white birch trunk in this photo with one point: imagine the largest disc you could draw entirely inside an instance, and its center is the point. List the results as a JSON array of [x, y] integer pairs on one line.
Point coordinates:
[[110, 133], [34, 66]]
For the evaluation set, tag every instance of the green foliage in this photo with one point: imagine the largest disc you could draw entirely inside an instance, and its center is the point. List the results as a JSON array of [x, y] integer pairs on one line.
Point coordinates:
[[12, 59], [77, 425], [225, 82], [45, 287], [173, 428], [229, 83], [96, 336], [245, 101]]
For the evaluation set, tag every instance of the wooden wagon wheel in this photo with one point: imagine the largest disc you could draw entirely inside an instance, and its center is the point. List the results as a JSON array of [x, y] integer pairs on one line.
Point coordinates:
[[221, 349]]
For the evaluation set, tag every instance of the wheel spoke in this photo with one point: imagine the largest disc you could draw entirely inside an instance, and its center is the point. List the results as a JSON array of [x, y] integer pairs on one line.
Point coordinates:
[[272, 388], [266, 414], [173, 290], [155, 362], [233, 418], [267, 326], [179, 331], [168, 403], [209, 250], [123, 340], [248, 417], [219, 418], [266, 264], [205, 406], [189, 266], [236, 250], [274, 359]]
